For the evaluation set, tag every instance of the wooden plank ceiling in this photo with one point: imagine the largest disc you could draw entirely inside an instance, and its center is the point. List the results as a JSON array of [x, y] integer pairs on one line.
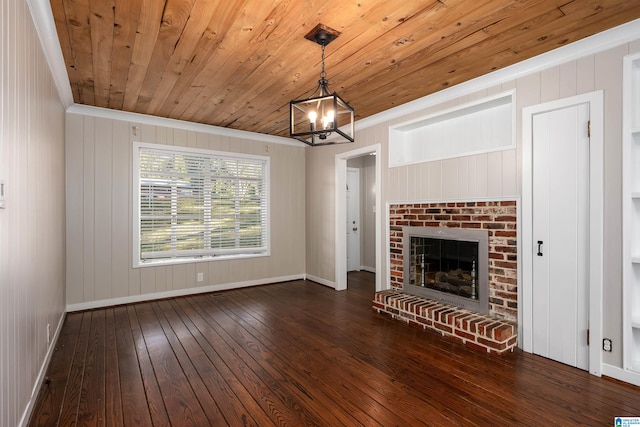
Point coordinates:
[[238, 63]]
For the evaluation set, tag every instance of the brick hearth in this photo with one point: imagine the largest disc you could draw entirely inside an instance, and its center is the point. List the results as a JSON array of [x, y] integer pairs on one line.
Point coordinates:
[[481, 332]]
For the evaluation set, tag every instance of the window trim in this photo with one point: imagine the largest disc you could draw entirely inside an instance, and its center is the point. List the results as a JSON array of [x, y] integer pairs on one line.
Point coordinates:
[[137, 262]]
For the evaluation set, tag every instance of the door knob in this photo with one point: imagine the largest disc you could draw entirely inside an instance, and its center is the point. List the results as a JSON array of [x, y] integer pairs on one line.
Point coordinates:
[[355, 228]]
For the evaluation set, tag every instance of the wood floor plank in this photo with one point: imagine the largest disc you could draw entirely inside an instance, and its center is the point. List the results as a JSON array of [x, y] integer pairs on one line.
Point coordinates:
[[346, 391], [179, 399], [136, 409], [237, 407], [466, 392], [47, 408], [113, 392], [362, 372], [186, 361], [69, 411], [278, 385], [301, 354], [233, 368], [91, 409], [268, 358]]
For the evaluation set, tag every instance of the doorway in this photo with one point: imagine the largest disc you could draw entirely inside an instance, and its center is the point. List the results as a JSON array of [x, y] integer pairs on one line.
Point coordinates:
[[562, 231], [341, 214]]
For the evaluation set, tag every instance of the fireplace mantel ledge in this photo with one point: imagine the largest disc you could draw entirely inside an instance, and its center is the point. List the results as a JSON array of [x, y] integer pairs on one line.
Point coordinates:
[[485, 333]]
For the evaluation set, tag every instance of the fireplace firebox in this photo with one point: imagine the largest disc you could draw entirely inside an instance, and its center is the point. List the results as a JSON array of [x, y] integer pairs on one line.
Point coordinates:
[[447, 265]]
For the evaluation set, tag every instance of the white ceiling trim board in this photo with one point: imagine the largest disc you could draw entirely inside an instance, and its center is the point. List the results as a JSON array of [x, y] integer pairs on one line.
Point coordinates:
[[146, 119], [46, 28]]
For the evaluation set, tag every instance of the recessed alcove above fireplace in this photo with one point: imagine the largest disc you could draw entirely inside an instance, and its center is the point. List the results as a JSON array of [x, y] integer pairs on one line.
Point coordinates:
[[449, 265]]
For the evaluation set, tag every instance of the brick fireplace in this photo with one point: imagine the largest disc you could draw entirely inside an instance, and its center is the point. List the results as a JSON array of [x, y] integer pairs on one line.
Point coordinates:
[[495, 331]]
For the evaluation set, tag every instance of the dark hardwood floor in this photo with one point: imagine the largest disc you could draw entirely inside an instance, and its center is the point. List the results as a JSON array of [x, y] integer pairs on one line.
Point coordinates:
[[300, 354]]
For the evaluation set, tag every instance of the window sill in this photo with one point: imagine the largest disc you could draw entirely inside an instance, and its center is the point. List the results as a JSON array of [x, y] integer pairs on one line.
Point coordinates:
[[191, 260]]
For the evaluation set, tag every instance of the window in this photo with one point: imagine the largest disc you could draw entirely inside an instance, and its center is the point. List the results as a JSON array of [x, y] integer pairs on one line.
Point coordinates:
[[197, 204]]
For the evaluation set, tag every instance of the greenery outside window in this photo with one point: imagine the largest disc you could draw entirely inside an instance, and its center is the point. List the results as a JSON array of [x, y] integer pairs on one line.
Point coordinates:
[[192, 204]]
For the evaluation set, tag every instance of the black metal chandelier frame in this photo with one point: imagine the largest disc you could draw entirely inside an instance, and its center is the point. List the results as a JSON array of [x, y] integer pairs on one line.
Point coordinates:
[[324, 118]]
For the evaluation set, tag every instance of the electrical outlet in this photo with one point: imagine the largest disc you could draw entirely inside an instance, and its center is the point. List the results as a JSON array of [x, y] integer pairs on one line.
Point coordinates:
[[607, 345], [200, 277], [48, 333]]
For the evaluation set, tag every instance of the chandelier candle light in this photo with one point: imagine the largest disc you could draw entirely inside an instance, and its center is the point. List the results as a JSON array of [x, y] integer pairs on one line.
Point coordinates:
[[324, 118]]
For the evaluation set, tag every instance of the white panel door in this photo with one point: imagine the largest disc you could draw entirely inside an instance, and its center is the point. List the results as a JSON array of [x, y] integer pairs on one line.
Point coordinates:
[[561, 235], [353, 219]]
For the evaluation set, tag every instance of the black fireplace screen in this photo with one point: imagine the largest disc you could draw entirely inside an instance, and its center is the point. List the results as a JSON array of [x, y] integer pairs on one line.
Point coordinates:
[[449, 266]]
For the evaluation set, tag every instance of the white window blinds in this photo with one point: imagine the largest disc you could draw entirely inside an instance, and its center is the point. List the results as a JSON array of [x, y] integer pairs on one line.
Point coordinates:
[[195, 204]]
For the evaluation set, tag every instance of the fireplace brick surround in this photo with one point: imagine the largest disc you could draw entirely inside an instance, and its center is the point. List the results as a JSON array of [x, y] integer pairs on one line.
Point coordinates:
[[496, 332]]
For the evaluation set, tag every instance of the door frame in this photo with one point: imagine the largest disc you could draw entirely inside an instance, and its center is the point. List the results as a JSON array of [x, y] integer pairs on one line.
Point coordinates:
[[596, 224], [357, 195], [340, 262]]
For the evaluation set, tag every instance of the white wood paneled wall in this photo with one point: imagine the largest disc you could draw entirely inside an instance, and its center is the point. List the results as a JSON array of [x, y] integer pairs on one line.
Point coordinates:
[[32, 225], [99, 227]]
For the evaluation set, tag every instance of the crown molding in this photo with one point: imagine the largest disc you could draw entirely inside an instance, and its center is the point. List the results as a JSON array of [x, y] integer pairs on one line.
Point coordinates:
[[46, 29], [146, 119], [608, 39]]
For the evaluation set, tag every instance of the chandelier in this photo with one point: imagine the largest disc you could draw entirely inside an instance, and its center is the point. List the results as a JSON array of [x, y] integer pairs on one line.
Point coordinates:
[[324, 118]]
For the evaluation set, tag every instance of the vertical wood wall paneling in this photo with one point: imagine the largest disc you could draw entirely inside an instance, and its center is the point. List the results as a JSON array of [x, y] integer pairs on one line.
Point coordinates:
[[135, 280], [368, 218], [549, 84], [585, 78], [510, 169], [450, 188], [411, 182], [103, 129], [88, 204], [106, 197], [494, 174], [178, 275], [74, 153], [434, 183], [567, 80], [32, 161], [608, 64], [463, 177], [120, 208], [147, 280]]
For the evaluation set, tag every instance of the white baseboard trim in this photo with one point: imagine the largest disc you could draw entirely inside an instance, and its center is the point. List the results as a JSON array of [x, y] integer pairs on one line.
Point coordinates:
[[324, 282], [26, 415], [178, 293], [621, 374], [369, 269]]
